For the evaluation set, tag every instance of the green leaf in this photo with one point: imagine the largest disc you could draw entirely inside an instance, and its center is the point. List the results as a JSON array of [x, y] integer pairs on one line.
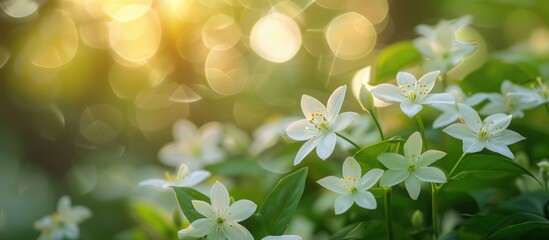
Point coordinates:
[[184, 196], [488, 164], [279, 206], [393, 58], [155, 222], [489, 77], [256, 225], [517, 224], [367, 156]]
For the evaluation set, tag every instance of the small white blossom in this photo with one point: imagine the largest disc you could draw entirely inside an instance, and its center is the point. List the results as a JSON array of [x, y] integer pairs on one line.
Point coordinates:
[[63, 223], [490, 133], [194, 147], [412, 93], [450, 112], [320, 125], [184, 178], [221, 220], [411, 168], [514, 99], [352, 187], [269, 134], [439, 45]]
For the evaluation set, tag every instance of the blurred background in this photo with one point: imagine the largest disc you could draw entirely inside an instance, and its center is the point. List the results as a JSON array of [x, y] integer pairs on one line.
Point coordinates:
[[90, 89]]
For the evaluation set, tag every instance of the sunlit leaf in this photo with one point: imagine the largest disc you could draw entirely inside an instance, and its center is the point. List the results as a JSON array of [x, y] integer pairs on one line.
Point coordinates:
[[151, 219], [394, 58], [279, 206], [517, 224], [367, 156], [184, 196], [487, 164], [489, 77]]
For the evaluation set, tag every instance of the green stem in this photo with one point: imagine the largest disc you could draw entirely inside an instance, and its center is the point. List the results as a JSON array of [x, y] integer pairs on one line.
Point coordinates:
[[348, 140], [434, 210], [455, 166], [544, 178], [422, 131], [373, 114], [547, 108], [389, 213]]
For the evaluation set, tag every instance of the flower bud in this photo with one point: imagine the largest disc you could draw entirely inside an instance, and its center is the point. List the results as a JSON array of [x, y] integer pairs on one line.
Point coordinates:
[[417, 219], [366, 99], [544, 165]]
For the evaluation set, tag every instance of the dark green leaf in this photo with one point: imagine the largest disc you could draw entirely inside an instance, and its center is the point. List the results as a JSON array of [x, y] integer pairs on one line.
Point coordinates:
[[256, 225], [394, 58], [489, 164], [517, 224], [353, 231], [367, 156], [279, 206], [489, 77], [184, 196]]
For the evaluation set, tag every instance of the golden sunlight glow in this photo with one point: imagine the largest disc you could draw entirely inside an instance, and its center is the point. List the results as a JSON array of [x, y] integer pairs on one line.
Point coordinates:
[[351, 36], [189, 10], [362, 77], [19, 8], [276, 38], [55, 42], [4, 56], [220, 32], [126, 10], [184, 94], [191, 47], [95, 34], [137, 40], [226, 71], [101, 123], [127, 82], [374, 10]]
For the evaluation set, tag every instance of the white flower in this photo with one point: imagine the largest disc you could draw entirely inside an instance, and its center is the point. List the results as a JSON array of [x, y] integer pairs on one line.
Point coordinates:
[[439, 45], [514, 99], [543, 91], [352, 187], [184, 178], [283, 237], [411, 168], [412, 93], [268, 134], [450, 112], [221, 220], [320, 125], [194, 147], [490, 133], [63, 223]]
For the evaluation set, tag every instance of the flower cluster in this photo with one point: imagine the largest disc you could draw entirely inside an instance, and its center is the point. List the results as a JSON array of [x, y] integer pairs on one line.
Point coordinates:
[[63, 223]]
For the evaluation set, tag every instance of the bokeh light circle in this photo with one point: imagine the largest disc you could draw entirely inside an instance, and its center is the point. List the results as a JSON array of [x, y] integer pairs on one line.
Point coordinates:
[[220, 32], [276, 38], [226, 71], [351, 36]]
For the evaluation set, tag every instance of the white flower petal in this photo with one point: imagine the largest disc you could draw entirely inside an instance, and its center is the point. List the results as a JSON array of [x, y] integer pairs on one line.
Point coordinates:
[[305, 150], [235, 231], [393, 177], [214, 235], [470, 116], [459, 131], [410, 109], [404, 78], [343, 120], [365, 199], [194, 178], [334, 102], [387, 93], [242, 209], [310, 105], [413, 146], [219, 196], [210, 134], [199, 228], [413, 186], [333, 184], [64, 204], [343, 203], [439, 98], [430, 174], [507, 137], [393, 161], [283, 237], [203, 208], [326, 145], [475, 99], [446, 118], [71, 231], [159, 183], [498, 122], [496, 105], [351, 168], [302, 130], [429, 80], [472, 145], [428, 157], [79, 214], [370, 179], [183, 130], [500, 148]]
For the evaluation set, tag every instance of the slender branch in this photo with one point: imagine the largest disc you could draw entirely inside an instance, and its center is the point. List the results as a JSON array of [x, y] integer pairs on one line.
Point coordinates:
[[348, 140], [422, 131], [455, 166], [434, 210], [389, 213], [373, 114]]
